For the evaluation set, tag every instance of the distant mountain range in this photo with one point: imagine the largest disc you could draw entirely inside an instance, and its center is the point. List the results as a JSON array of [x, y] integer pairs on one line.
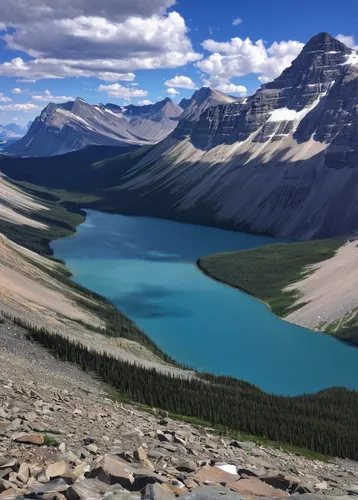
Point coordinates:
[[13, 131], [61, 128]]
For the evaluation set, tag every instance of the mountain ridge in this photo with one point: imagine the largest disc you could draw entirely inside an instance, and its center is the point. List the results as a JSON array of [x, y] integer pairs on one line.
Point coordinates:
[[65, 127], [274, 163], [202, 99]]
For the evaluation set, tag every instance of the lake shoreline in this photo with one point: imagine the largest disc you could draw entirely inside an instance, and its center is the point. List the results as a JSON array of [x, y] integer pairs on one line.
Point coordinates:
[[213, 380], [153, 225], [267, 305]]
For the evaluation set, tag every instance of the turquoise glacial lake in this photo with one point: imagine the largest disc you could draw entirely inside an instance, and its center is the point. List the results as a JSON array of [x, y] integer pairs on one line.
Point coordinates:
[[146, 267]]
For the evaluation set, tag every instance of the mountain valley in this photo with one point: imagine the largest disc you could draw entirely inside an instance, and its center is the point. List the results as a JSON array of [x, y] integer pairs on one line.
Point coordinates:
[[266, 164]]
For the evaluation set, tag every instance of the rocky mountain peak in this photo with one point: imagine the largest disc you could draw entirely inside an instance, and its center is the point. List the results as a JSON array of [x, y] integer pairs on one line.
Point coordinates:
[[202, 94], [47, 111], [324, 42], [184, 103], [112, 107], [165, 103], [79, 99], [203, 99], [280, 161], [312, 74], [78, 105], [162, 109]]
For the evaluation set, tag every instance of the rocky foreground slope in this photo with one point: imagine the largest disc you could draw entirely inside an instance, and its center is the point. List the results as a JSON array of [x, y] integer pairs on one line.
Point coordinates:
[[63, 437], [278, 162], [70, 126]]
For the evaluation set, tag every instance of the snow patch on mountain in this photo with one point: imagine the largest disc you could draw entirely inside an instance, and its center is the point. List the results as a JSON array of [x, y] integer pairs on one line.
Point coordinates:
[[283, 114], [352, 58]]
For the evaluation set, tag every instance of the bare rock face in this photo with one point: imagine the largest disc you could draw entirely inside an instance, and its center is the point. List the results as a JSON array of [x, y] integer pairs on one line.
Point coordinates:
[[204, 99], [88, 489], [215, 125], [70, 126], [212, 119], [278, 162], [156, 492], [309, 78], [163, 109]]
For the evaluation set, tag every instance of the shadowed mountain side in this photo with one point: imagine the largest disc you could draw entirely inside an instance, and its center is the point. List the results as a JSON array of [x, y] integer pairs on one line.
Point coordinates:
[[78, 170], [334, 121], [302, 198]]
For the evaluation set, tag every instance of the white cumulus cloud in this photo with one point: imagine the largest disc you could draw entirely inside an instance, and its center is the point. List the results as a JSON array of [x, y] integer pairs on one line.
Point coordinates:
[[182, 82], [145, 102], [59, 9], [237, 21], [25, 106], [74, 38], [172, 91], [4, 98], [36, 69], [119, 91], [47, 97], [230, 88], [348, 40], [16, 90], [239, 57]]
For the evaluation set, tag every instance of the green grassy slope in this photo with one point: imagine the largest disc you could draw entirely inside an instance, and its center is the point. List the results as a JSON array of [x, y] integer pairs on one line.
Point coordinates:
[[264, 272]]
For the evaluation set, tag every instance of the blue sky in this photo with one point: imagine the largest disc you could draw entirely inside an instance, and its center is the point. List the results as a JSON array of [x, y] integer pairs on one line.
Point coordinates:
[[144, 50]]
